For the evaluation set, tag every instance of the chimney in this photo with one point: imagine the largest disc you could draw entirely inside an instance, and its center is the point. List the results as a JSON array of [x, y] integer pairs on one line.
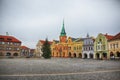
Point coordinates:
[[106, 33], [7, 34]]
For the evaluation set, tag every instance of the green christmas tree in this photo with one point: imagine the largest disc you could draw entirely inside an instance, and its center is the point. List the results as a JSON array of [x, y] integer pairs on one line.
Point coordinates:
[[46, 50]]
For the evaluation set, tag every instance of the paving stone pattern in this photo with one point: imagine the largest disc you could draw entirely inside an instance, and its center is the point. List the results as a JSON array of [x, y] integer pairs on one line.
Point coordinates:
[[28, 66]]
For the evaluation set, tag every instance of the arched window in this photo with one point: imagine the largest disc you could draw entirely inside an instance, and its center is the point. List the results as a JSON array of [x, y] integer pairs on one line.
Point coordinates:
[[15, 54], [74, 54], [85, 55]]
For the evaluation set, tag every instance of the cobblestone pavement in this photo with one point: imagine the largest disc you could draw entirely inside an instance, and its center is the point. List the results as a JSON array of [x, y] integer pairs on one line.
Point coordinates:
[[59, 69]]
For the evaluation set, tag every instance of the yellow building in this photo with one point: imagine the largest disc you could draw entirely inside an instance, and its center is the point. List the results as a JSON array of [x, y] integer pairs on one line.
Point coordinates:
[[71, 47], [114, 46]]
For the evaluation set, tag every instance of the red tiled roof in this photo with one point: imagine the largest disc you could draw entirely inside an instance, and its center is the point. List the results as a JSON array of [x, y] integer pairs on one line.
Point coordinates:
[[42, 41], [108, 36], [117, 36], [32, 50], [5, 38], [24, 47]]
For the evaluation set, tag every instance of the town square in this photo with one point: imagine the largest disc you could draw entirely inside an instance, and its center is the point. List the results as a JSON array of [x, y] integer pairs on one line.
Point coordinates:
[[59, 40], [59, 69]]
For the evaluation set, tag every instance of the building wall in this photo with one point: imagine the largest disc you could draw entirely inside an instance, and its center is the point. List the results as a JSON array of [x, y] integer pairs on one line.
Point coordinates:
[[101, 47], [67, 49], [25, 52], [114, 47], [10, 48], [88, 48], [38, 51]]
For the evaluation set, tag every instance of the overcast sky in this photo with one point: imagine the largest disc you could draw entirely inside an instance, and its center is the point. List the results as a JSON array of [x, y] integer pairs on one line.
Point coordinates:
[[32, 20]]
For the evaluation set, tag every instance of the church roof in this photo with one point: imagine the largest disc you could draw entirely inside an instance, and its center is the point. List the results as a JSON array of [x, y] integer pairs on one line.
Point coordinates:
[[63, 33]]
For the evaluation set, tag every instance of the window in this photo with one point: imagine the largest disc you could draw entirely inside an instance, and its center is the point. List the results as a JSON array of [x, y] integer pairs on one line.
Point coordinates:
[[103, 47], [98, 47], [2, 39], [79, 47], [69, 48], [15, 44], [3, 42], [114, 46], [84, 48], [9, 39], [15, 49], [111, 46], [74, 48], [18, 49], [86, 42], [100, 41], [89, 48], [1, 48], [8, 43], [11, 43], [8, 48], [117, 45], [89, 42]]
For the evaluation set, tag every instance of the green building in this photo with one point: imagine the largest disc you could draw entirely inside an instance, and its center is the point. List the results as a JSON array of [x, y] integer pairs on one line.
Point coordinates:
[[101, 46]]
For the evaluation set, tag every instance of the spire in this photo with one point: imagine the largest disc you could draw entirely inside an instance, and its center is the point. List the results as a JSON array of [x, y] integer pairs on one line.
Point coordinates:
[[87, 35], [63, 33]]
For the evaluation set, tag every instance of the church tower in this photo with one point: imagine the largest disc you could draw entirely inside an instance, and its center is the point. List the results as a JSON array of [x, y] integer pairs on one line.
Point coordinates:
[[63, 36]]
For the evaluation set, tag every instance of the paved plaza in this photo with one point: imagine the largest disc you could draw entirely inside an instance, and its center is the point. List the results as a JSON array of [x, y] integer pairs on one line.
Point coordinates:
[[59, 69]]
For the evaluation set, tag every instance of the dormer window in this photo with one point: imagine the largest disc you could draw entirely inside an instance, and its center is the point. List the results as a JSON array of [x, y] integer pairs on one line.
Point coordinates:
[[1, 38], [9, 39], [100, 41]]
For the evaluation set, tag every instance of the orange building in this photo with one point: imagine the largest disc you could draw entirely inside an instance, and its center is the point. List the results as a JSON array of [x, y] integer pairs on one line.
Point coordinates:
[[114, 46], [71, 47]]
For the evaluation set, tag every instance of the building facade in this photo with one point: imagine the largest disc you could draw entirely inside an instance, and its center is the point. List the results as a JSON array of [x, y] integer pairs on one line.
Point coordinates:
[[71, 47], [101, 46], [114, 46], [38, 50], [88, 47], [9, 46], [75, 47], [25, 51], [32, 53]]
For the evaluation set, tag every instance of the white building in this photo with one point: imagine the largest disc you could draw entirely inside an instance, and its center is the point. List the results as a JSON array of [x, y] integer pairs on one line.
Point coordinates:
[[88, 47]]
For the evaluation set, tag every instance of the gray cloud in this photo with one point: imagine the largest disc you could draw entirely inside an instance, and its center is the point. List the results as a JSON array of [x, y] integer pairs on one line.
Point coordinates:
[[31, 20]]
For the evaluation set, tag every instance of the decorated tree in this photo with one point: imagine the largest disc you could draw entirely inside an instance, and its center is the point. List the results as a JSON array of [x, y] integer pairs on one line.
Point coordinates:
[[46, 50]]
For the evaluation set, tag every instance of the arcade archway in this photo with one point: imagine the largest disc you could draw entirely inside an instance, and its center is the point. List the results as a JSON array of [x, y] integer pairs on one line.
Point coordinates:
[[85, 55], [74, 55], [91, 55], [8, 54], [15, 54]]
